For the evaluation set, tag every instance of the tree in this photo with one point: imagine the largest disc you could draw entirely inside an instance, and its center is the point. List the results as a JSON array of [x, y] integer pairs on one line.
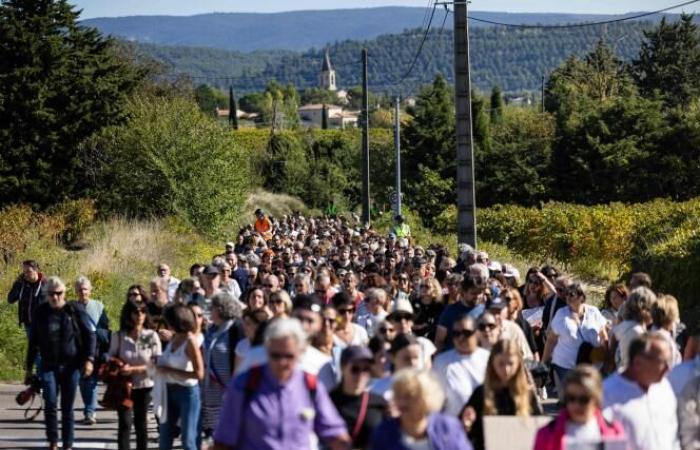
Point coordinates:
[[60, 82], [496, 104], [209, 98], [232, 109], [429, 143], [669, 62], [324, 117]]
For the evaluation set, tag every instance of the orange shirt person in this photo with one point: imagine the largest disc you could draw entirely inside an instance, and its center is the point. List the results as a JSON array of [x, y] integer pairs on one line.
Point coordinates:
[[263, 225]]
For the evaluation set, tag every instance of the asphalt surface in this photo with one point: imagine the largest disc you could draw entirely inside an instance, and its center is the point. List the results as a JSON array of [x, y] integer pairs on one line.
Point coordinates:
[[18, 433]]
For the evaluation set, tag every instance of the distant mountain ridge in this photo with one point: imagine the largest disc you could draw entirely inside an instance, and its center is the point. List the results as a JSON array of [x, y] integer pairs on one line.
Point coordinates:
[[514, 59], [302, 30]]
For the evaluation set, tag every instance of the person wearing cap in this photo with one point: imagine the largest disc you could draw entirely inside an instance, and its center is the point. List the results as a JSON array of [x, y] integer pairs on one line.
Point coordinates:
[[211, 283], [402, 317], [282, 406], [361, 409], [401, 228], [469, 303], [263, 225], [462, 369], [509, 330]]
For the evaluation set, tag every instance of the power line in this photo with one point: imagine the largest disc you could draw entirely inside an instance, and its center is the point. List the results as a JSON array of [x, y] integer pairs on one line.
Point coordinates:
[[583, 24], [420, 47]]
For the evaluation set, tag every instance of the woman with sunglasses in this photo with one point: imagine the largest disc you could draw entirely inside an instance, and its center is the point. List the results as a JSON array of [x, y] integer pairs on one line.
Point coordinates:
[[138, 347], [576, 329], [348, 332], [506, 392], [280, 304], [581, 419], [136, 293], [428, 308], [489, 332], [361, 410]]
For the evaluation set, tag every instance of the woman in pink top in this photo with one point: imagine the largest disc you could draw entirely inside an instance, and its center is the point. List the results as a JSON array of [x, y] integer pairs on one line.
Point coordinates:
[[581, 420]]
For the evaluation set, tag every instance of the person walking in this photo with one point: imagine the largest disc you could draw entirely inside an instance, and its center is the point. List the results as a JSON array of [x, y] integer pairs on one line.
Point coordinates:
[[180, 369], [419, 425], [581, 419], [506, 391], [27, 290], [62, 336], [277, 405], [138, 347], [99, 324]]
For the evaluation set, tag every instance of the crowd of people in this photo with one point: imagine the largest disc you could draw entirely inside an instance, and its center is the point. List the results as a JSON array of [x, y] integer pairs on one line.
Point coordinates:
[[312, 333]]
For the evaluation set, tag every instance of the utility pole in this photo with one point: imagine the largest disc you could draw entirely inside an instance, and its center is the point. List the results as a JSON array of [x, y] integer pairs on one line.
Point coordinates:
[[397, 145], [543, 83], [466, 198], [366, 219]]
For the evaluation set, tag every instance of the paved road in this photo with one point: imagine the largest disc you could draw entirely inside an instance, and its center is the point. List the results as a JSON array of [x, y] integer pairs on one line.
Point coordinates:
[[16, 433]]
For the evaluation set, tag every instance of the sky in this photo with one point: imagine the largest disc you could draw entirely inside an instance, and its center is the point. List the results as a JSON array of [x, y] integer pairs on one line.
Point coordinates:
[[116, 8]]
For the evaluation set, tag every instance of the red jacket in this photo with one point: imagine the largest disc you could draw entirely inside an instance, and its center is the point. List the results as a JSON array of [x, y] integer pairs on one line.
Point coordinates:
[[551, 436]]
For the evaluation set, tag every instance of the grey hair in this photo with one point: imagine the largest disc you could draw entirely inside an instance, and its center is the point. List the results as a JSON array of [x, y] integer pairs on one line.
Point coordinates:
[[285, 328], [54, 283], [482, 268], [228, 307], [377, 293], [83, 281]]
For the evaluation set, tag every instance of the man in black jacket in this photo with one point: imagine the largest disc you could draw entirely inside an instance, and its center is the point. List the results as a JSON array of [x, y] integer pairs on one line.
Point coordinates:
[[61, 334], [27, 290]]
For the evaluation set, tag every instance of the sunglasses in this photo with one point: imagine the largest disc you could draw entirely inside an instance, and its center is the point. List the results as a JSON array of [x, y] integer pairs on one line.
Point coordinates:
[[347, 311], [268, 285], [140, 311], [55, 293], [403, 317], [384, 330], [456, 334], [277, 356], [134, 294], [329, 320], [277, 301], [357, 370], [487, 326], [581, 400]]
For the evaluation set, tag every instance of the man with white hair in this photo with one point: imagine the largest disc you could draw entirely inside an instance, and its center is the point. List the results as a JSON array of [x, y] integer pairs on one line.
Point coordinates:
[[278, 405], [173, 283]]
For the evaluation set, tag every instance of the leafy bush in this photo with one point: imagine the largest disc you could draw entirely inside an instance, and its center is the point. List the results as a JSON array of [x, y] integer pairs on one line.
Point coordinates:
[[605, 241], [172, 159]]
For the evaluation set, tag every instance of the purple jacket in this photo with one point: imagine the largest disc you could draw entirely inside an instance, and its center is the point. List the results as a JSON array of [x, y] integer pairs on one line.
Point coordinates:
[[444, 432]]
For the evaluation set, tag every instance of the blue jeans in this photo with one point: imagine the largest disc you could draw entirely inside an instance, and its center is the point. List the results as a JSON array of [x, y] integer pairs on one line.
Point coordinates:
[[88, 392], [183, 404], [63, 380]]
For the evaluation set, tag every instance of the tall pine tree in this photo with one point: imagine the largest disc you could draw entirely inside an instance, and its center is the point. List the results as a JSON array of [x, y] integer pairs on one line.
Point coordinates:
[[669, 61], [232, 109], [59, 82]]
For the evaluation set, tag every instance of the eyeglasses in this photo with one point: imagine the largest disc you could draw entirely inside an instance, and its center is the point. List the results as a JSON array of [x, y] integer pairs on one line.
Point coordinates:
[[487, 326], [277, 356], [356, 370], [55, 293], [582, 400], [456, 334]]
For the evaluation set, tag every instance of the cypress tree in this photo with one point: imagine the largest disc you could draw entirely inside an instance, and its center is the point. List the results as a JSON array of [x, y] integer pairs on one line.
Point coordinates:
[[324, 117], [232, 109], [496, 104]]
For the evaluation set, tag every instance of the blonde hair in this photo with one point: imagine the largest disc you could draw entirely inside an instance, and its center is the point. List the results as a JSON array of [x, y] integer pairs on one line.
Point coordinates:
[[284, 296], [665, 311], [518, 385], [435, 289], [421, 385]]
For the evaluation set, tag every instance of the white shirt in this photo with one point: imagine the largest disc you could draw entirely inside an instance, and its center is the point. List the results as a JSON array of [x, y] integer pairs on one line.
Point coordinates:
[[359, 337], [625, 332], [312, 361], [459, 375], [683, 373], [232, 288], [173, 283], [570, 335], [649, 418], [369, 321]]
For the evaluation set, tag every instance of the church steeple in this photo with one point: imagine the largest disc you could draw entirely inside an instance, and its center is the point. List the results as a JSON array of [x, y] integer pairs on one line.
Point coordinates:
[[327, 76]]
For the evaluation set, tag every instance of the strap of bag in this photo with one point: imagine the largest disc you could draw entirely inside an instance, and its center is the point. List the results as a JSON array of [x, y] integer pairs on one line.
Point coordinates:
[[361, 416], [31, 416]]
